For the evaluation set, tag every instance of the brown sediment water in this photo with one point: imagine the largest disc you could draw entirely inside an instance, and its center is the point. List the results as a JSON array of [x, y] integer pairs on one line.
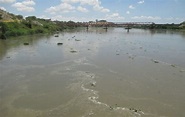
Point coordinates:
[[94, 73]]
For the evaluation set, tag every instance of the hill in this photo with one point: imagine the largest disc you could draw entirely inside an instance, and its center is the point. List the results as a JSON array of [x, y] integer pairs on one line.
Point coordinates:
[[9, 17], [16, 25]]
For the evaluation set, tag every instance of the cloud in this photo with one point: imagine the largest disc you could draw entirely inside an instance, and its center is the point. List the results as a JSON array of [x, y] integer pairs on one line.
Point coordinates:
[[2, 8], [43, 17], [141, 2], [100, 8], [115, 17], [146, 18], [95, 3], [169, 18], [131, 7], [63, 7], [81, 9], [83, 2], [73, 18], [28, 3], [128, 12], [25, 6], [7, 1]]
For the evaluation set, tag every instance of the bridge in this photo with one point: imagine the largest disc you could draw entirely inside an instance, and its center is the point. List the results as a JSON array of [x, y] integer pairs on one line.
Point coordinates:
[[129, 25], [126, 25], [132, 23]]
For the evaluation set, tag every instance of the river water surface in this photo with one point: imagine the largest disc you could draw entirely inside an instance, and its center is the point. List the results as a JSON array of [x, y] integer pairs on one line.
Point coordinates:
[[95, 73]]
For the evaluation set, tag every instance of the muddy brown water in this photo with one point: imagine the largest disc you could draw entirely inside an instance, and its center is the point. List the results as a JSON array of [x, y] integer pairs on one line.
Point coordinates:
[[94, 73]]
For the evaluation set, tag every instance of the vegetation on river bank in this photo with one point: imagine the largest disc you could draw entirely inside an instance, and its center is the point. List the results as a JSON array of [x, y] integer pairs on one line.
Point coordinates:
[[172, 26], [16, 25]]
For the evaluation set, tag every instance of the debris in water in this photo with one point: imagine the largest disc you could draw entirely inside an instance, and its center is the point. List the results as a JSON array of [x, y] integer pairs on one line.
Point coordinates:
[[93, 84], [26, 43], [134, 110], [73, 51], [182, 70], [59, 43], [173, 65], [111, 108], [155, 61], [56, 35], [77, 40]]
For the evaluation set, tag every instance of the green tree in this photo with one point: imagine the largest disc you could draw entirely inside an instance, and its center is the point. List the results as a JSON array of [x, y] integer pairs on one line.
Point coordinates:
[[3, 30], [31, 18], [19, 17]]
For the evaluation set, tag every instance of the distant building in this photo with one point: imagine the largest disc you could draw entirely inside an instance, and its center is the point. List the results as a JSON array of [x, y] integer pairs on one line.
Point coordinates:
[[100, 23]]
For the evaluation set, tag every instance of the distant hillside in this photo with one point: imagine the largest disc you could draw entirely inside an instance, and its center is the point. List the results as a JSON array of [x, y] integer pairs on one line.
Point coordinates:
[[16, 25], [9, 17], [182, 25]]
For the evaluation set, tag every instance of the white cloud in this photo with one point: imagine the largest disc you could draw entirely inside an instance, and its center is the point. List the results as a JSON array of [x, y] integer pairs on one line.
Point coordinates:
[[2, 8], [81, 9], [173, 20], [83, 2], [28, 2], [95, 3], [169, 18], [43, 17], [63, 18], [115, 17], [25, 6], [128, 12], [146, 18], [141, 2], [131, 7], [7, 1], [100, 8], [63, 7]]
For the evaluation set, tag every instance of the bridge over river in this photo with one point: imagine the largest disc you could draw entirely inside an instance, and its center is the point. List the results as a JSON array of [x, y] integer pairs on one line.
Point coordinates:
[[126, 25], [129, 25]]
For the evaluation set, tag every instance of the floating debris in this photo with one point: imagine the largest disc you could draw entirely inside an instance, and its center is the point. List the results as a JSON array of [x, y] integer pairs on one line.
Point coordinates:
[[73, 37], [110, 107], [56, 35], [155, 61], [77, 40], [93, 84], [73, 51], [173, 65], [59, 43], [134, 110], [182, 70], [26, 43], [132, 57]]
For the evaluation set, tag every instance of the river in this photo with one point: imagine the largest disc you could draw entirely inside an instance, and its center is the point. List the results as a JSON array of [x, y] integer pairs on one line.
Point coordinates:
[[94, 73]]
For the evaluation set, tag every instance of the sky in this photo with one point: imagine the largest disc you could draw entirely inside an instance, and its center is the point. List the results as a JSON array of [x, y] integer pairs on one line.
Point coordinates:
[[157, 11]]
